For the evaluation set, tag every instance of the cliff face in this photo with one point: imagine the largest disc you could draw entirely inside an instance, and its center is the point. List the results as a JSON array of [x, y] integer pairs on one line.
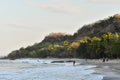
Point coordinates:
[[111, 24]]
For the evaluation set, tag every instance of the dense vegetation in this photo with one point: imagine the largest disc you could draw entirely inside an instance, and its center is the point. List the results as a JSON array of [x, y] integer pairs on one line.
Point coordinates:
[[54, 45], [52, 50], [103, 41], [111, 24], [108, 45]]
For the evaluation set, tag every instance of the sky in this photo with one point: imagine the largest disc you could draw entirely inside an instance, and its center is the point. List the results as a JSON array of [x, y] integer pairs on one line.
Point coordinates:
[[26, 22]]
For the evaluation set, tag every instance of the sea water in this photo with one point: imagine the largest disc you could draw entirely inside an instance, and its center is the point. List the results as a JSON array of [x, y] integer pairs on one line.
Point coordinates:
[[36, 69]]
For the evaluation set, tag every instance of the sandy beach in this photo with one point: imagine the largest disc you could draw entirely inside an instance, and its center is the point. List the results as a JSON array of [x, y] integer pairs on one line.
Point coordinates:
[[110, 70]]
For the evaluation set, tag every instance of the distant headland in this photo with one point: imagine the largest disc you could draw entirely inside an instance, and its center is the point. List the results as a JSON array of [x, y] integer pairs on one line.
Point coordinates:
[[96, 40]]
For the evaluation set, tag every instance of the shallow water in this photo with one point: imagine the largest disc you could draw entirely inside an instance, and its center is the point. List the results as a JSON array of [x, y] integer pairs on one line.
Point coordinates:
[[34, 69]]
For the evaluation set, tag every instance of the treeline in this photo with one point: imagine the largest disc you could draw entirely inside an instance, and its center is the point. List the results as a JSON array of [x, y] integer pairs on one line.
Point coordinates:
[[107, 45], [64, 50], [110, 24], [62, 45]]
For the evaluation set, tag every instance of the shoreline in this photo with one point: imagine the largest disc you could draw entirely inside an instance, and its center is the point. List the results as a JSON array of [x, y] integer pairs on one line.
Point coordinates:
[[110, 70]]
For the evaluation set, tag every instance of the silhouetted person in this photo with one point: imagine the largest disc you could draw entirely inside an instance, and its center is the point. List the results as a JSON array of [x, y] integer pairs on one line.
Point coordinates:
[[107, 59], [103, 59], [74, 63]]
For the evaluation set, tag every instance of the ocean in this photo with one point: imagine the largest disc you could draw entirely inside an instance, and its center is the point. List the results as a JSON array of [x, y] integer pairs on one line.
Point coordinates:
[[41, 69]]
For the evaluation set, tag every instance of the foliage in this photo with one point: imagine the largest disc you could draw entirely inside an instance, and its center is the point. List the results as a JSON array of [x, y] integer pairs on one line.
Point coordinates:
[[108, 45], [97, 40], [57, 34]]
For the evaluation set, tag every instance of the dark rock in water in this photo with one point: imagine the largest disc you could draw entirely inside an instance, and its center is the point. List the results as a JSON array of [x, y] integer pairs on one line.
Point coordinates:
[[57, 62], [12, 58], [69, 61], [61, 61]]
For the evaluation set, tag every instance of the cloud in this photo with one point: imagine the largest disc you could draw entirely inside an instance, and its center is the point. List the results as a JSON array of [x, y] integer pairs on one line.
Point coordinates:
[[105, 1], [57, 0], [17, 26], [60, 8], [23, 27], [61, 1]]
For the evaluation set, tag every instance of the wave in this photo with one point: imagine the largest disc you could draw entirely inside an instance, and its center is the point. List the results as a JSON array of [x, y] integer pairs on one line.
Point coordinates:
[[36, 69]]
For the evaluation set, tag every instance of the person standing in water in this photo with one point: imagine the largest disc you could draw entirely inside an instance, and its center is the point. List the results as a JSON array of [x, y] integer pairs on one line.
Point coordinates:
[[103, 59], [74, 63]]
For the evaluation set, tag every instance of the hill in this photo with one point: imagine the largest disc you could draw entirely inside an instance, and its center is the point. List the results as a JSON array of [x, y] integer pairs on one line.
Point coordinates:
[[65, 45], [111, 24]]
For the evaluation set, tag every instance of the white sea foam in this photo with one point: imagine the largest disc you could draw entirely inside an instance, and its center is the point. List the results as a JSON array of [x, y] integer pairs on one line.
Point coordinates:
[[35, 69]]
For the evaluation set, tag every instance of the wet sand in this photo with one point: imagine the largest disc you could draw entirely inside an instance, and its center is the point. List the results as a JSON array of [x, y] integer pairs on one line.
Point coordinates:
[[110, 70]]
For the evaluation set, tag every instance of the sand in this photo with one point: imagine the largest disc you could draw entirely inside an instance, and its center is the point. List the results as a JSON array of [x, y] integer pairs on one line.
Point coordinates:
[[110, 70]]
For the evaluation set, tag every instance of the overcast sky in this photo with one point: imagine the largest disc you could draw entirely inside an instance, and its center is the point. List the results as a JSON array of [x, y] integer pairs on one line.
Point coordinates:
[[25, 22]]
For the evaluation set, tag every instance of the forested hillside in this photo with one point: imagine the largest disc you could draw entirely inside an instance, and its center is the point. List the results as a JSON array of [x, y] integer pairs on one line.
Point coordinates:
[[107, 45], [96, 40], [110, 24]]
